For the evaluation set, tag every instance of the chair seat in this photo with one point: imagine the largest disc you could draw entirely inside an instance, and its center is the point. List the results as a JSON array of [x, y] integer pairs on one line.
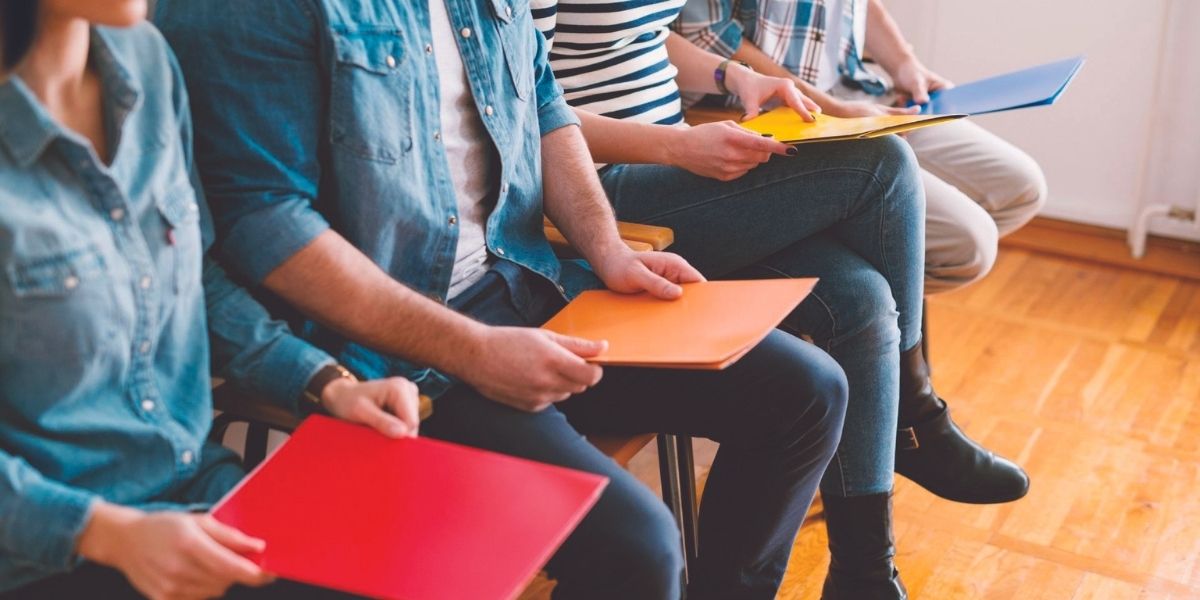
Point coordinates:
[[621, 448]]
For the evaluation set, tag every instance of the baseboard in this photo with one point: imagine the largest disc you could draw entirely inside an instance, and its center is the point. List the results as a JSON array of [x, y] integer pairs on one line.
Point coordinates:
[[1164, 256]]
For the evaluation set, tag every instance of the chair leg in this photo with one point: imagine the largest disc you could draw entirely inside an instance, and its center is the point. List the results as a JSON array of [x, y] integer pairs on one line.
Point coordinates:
[[688, 500], [668, 470], [256, 444]]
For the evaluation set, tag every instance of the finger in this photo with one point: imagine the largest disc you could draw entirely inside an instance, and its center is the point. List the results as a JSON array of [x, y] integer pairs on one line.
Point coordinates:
[[795, 100], [902, 110], [682, 270], [226, 566], [230, 537], [579, 346], [657, 285], [920, 93], [382, 421], [752, 108], [406, 406], [750, 140]]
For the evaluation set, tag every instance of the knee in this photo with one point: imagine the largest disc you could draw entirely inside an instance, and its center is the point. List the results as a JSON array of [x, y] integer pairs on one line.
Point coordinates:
[[901, 170], [1026, 197], [862, 308], [810, 415], [965, 258], [650, 553]]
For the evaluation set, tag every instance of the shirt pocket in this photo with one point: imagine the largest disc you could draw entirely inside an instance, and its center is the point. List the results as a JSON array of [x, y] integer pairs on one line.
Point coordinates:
[[370, 96], [181, 261], [60, 307], [515, 29]]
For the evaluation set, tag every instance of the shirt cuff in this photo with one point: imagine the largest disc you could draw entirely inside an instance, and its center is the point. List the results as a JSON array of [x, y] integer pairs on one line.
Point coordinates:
[[260, 241], [47, 523], [555, 114], [292, 363]]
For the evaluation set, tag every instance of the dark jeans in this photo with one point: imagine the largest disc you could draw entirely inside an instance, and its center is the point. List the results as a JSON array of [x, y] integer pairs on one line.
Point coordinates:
[[777, 414], [850, 213]]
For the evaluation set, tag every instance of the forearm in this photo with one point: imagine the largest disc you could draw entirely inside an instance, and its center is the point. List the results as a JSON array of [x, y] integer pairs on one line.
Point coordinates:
[[334, 283], [760, 62], [884, 41], [695, 65], [573, 198], [608, 140]]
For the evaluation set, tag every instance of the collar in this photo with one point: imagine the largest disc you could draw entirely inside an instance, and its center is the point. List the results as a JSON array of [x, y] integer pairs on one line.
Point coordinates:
[[26, 129]]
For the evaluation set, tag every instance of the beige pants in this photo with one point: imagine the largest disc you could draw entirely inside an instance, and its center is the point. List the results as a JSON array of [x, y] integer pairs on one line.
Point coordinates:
[[978, 188]]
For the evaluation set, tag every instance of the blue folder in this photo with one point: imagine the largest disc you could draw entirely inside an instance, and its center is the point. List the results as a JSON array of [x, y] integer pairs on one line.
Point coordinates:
[[1037, 86]]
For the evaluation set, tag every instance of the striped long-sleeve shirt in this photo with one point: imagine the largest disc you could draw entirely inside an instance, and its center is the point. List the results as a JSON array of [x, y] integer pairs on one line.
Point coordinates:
[[610, 56]]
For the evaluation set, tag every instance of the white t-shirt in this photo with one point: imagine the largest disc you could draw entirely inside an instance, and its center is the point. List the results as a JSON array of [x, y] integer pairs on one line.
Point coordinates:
[[469, 152], [831, 58]]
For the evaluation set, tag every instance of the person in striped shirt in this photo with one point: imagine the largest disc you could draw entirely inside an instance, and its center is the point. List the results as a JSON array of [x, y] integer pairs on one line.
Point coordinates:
[[744, 206]]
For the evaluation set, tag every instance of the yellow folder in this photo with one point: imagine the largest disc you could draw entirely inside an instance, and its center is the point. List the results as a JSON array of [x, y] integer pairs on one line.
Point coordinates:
[[713, 325], [786, 126]]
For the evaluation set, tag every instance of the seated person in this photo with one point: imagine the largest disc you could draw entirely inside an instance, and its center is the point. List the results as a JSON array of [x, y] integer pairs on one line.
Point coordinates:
[[744, 207], [104, 338], [384, 166], [978, 187]]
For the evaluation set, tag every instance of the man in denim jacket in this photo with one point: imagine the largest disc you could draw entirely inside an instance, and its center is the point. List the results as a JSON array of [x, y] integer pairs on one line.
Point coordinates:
[[384, 166]]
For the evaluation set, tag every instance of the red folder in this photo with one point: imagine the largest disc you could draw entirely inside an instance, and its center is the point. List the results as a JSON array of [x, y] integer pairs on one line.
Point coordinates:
[[343, 507], [710, 327]]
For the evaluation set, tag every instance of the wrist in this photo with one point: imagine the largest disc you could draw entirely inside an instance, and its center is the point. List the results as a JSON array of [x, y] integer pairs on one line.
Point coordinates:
[[736, 76], [318, 391], [673, 141], [99, 542]]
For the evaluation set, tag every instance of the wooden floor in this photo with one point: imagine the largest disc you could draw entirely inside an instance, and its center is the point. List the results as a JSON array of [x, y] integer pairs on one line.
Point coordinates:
[[1089, 376]]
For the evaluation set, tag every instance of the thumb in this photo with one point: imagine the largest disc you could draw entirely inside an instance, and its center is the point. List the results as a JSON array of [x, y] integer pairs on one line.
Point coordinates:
[[902, 110], [579, 346], [920, 92], [658, 286], [752, 108], [384, 422], [231, 538]]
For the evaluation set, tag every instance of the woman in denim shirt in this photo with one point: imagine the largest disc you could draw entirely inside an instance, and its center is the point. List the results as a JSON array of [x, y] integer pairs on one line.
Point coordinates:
[[108, 315]]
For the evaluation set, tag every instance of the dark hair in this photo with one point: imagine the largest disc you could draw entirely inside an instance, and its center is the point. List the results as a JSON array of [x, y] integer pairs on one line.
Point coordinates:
[[18, 19]]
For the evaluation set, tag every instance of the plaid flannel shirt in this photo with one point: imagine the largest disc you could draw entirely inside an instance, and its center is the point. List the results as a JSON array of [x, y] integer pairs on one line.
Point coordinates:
[[791, 32]]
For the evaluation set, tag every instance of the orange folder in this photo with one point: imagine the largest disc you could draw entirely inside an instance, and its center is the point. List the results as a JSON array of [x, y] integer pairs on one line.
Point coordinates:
[[785, 125], [713, 325], [341, 506]]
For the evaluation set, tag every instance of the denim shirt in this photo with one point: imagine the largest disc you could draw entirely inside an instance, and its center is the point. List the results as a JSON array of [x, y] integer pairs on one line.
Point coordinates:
[[325, 113], [104, 342]]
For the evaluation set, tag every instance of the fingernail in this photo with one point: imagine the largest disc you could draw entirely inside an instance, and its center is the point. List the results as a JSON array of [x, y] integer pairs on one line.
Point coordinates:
[[744, 115], [768, 135], [396, 430], [791, 151]]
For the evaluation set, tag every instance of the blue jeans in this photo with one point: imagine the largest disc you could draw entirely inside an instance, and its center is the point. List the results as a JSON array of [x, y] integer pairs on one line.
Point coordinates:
[[851, 213], [777, 413]]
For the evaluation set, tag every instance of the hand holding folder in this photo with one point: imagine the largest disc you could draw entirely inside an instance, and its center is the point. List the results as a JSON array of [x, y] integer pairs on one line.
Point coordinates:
[[786, 126], [710, 327], [343, 507]]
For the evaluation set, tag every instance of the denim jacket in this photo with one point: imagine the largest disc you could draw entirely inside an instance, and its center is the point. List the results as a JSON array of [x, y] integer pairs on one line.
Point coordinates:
[[104, 341], [324, 113]]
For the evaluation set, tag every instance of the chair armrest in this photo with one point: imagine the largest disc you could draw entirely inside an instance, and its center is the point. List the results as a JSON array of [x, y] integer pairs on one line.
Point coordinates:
[[641, 238], [700, 116]]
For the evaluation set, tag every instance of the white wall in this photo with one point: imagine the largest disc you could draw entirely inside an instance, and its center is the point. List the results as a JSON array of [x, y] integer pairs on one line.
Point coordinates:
[[1096, 143]]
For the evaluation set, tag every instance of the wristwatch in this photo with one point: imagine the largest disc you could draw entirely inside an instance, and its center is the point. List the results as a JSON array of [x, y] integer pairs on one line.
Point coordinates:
[[719, 74], [325, 376]]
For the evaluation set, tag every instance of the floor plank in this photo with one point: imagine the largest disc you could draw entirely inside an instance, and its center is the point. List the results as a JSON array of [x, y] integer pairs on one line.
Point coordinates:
[[1089, 375]]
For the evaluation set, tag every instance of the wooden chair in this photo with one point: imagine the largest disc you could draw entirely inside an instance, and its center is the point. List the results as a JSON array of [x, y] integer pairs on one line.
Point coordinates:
[[676, 463]]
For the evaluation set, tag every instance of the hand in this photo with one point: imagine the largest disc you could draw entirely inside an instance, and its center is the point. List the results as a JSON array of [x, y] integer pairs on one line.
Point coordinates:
[[658, 273], [868, 109], [755, 89], [722, 150], [530, 369], [914, 81], [171, 555], [388, 405]]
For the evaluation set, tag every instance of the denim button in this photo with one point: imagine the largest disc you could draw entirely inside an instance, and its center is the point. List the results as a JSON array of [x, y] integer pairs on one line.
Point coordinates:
[[500, 251], [187, 457], [117, 214], [144, 348], [487, 110], [453, 219], [145, 282], [71, 282], [391, 62], [147, 405], [466, 32]]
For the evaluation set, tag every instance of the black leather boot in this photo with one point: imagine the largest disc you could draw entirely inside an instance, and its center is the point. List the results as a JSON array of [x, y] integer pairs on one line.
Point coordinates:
[[862, 548], [932, 451]]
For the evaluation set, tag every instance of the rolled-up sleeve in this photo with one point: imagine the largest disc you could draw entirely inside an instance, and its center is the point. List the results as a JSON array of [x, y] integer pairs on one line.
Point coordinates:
[[553, 111], [711, 26], [40, 519], [254, 77], [251, 349]]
